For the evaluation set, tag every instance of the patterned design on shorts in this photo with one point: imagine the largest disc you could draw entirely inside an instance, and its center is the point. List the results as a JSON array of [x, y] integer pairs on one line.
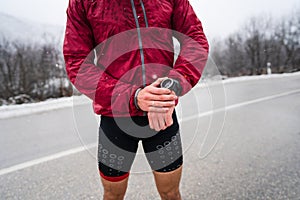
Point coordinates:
[[117, 149]]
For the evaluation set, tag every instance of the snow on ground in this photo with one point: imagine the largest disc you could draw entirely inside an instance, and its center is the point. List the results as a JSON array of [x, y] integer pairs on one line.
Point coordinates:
[[217, 81], [264, 76], [55, 104], [9, 111]]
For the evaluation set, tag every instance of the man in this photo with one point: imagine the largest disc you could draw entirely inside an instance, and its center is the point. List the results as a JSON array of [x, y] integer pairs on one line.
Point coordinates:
[[120, 54]]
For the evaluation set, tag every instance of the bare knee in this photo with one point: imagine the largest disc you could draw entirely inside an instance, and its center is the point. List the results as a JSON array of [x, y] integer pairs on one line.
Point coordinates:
[[170, 195], [168, 184], [113, 195]]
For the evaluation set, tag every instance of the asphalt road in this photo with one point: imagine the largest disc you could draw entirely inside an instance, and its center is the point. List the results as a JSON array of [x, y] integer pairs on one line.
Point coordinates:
[[250, 150]]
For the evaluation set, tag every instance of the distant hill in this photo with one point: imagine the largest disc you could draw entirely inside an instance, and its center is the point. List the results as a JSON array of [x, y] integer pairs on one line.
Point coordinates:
[[13, 28]]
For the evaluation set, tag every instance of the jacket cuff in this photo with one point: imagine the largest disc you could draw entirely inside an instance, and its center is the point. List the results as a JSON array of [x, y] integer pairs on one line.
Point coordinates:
[[135, 98]]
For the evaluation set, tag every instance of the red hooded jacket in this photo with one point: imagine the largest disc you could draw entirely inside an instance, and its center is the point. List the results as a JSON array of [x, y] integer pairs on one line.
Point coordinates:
[[114, 47]]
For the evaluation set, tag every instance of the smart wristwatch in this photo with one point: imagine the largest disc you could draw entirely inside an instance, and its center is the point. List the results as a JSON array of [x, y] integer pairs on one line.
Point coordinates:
[[171, 84]]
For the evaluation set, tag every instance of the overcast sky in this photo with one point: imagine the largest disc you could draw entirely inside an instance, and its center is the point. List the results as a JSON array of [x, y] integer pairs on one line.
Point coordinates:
[[219, 17]]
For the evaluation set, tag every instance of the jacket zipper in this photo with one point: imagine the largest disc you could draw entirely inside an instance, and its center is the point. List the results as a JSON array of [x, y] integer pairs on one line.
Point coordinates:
[[140, 37]]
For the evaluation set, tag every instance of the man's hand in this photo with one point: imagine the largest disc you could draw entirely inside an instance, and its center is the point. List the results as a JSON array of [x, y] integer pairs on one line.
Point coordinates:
[[155, 99], [160, 121], [159, 103]]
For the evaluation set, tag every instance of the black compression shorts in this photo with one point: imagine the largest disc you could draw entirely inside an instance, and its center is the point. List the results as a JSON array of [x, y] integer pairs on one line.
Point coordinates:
[[118, 144]]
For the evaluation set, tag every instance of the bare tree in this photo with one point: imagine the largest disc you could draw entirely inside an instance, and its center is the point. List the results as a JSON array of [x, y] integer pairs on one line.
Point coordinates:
[[35, 70], [217, 53], [261, 42]]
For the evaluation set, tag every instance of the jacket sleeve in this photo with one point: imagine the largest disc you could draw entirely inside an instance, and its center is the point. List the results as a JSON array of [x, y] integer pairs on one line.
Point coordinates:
[[89, 79], [193, 45]]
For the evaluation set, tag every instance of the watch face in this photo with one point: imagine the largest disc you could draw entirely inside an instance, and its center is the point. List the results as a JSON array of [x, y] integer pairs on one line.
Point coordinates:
[[167, 83]]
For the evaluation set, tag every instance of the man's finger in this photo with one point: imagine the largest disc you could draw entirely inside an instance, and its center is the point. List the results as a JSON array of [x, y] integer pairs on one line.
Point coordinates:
[[155, 122], [158, 109], [161, 104], [161, 121], [158, 91], [162, 97], [158, 81], [168, 120], [150, 121]]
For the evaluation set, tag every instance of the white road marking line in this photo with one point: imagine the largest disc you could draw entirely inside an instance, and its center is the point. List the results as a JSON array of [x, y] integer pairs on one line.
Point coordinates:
[[204, 114], [83, 148], [45, 159]]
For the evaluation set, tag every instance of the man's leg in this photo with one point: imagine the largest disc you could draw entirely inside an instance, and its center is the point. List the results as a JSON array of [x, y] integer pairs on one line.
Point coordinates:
[[164, 154], [116, 152], [114, 190], [167, 184]]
